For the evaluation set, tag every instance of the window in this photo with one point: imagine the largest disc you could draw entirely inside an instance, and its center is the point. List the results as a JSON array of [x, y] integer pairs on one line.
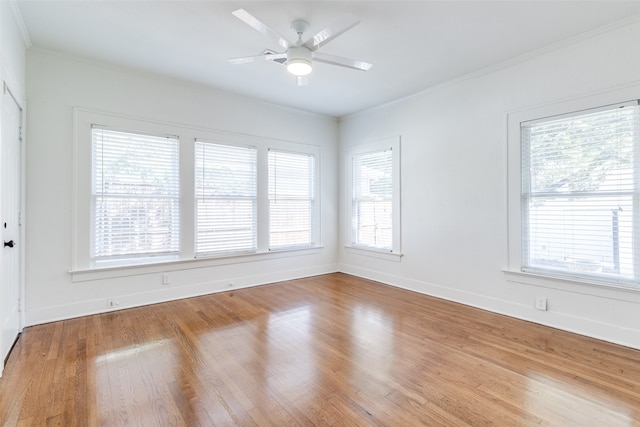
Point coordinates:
[[148, 193], [372, 199], [135, 194], [375, 194], [226, 198], [580, 196], [292, 195]]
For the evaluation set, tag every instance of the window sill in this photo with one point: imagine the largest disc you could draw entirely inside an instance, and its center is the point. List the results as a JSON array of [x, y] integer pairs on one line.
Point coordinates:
[[622, 291], [85, 275], [374, 253]]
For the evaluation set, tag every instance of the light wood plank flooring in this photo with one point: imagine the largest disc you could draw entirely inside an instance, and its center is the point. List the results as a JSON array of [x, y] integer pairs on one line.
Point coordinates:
[[328, 350]]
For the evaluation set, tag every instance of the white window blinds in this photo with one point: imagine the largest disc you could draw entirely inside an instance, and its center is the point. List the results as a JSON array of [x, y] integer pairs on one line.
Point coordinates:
[[372, 199], [580, 192], [226, 198], [135, 194], [292, 217]]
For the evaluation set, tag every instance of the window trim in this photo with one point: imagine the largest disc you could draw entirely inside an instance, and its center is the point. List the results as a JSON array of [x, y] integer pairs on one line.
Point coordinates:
[[82, 215], [109, 272], [392, 143], [513, 157]]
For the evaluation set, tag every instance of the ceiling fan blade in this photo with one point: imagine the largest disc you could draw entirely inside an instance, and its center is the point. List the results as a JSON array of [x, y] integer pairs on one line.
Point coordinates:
[[275, 57], [260, 26], [341, 61], [244, 59], [303, 80], [336, 28]]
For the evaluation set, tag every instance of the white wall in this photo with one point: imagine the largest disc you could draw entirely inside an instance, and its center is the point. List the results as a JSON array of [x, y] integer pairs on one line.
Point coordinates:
[[56, 84], [454, 185]]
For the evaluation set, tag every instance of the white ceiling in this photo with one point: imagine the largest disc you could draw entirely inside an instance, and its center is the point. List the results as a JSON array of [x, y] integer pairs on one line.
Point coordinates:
[[413, 45]]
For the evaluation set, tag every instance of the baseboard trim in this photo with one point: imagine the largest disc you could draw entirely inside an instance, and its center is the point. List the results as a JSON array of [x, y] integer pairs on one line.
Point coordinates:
[[37, 316], [599, 330], [587, 327]]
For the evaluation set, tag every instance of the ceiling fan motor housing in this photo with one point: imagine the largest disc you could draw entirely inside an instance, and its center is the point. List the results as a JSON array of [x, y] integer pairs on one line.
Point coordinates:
[[299, 52]]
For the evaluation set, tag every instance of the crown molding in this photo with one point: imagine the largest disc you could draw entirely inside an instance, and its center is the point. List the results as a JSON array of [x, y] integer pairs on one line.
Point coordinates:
[[630, 20], [17, 16]]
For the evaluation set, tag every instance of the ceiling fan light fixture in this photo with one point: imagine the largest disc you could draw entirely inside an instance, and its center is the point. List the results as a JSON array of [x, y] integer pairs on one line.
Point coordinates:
[[299, 61], [299, 67]]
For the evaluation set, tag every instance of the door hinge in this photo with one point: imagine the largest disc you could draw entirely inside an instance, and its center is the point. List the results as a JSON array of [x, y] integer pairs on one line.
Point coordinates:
[[20, 133]]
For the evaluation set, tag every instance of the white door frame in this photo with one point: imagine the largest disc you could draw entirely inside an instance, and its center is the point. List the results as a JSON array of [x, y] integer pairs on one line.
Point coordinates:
[[20, 103]]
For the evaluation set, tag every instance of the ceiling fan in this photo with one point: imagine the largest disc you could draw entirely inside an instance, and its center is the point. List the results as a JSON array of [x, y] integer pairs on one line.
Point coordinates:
[[299, 56]]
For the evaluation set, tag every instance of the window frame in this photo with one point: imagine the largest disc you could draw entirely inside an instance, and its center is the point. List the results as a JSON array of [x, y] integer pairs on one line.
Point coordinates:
[[515, 269], [392, 144]]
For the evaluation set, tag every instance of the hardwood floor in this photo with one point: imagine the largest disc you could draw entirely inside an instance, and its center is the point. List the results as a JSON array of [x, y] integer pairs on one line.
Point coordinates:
[[328, 350]]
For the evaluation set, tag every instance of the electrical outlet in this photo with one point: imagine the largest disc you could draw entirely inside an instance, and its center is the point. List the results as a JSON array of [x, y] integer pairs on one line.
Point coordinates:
[[541, 303], [112, 303], [165, 279]]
